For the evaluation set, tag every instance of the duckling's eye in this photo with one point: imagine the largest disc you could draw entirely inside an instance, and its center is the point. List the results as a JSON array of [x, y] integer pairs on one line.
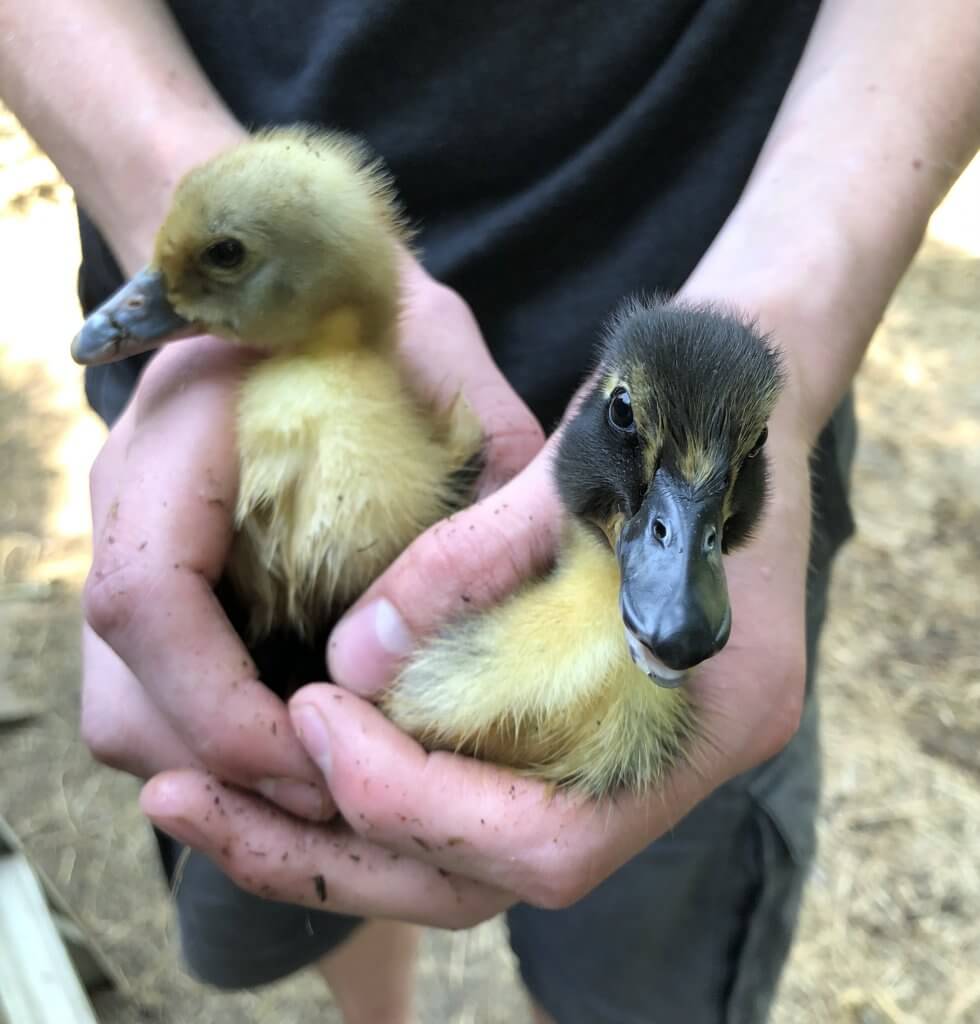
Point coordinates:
[[226, 254], [621, 411], [759, 442]]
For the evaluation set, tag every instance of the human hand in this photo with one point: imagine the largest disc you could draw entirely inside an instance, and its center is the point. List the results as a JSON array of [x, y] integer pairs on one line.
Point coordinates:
[[444, 840], [170, 685], [843, 241]]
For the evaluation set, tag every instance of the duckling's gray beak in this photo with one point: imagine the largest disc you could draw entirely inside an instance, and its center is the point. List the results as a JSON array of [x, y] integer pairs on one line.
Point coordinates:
[[135, 319], [673, 594]]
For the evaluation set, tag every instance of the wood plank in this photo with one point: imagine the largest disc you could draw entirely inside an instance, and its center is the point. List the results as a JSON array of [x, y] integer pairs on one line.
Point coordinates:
[[92, 964], [37, 982]]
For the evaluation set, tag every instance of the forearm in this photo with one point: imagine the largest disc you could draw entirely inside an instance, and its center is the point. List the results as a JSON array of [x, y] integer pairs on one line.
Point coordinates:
[[882, 115], [113, 94]]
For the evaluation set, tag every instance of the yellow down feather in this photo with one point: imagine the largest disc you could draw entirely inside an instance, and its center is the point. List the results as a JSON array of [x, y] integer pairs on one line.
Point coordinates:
[[545, 683], [341, 468]]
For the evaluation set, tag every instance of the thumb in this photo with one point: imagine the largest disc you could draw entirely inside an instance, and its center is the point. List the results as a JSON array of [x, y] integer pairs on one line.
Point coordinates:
[[445, 356], [471, 560]]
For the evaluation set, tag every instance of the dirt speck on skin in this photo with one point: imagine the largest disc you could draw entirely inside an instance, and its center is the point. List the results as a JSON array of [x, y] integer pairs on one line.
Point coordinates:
[[888, 932]]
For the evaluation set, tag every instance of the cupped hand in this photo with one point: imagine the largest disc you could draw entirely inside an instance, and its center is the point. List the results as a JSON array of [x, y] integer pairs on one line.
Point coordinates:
[[445, 840], [167, 683]]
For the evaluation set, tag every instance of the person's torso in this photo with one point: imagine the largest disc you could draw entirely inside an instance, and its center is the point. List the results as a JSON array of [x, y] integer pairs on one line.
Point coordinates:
[[554, 156]]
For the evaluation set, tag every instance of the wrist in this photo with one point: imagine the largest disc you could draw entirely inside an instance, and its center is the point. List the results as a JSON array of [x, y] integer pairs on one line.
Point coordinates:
[[807, 303]]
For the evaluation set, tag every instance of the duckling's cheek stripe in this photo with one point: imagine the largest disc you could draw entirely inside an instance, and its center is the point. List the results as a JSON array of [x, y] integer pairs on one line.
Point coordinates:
[[613, 528], [649, 424]]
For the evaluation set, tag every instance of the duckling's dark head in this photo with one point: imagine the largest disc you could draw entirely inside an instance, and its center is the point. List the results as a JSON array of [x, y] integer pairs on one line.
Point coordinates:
[[665, 456], [260, 244]]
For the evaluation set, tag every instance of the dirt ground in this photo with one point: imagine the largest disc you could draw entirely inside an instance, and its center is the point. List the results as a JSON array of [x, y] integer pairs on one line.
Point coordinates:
[[891, 928]]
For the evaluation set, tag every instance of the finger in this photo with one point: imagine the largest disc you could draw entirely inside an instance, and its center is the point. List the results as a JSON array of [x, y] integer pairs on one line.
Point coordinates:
[[120, 725], [162, 544], [469, 561], [470, 817], [324, 867], [445, 355], [749, 707]]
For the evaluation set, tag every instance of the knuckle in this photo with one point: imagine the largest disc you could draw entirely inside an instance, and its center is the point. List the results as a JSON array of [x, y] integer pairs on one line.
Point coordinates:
[[97, 472], [530, 430], [234, 746], [112, 593], [469, 906], [446, 555], [786, 711], [440, 554], [783, 727], [464, 919], [435, 554], [558, 890], [239, 867], [438, 300], [514, 443], [482, 550], [100, 471], [219, 750], [106, 729], [104, 737]]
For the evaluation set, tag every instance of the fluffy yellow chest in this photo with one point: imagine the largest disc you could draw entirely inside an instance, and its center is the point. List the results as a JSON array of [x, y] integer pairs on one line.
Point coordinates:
[[545, 683], [340, 469]]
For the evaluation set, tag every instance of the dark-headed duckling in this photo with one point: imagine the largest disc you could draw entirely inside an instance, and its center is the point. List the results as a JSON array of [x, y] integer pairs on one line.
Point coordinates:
[[576, 679]]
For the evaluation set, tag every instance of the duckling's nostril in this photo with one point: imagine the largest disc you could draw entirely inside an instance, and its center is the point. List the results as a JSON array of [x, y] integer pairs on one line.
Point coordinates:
[[135, 302]]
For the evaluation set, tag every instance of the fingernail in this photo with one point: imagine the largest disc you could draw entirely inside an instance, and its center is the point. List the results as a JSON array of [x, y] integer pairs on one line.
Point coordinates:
[[300, 798], [311, 727], [366, 647]]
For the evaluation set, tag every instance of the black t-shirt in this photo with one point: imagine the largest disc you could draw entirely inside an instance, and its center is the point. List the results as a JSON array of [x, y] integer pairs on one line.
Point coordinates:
[[554, 155]]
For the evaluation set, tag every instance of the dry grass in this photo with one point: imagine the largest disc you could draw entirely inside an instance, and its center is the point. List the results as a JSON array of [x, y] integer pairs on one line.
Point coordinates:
[[891, 928]]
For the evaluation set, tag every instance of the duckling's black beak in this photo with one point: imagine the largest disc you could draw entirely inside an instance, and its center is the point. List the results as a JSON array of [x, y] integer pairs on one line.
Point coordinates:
[[673, 594], [135, 319]]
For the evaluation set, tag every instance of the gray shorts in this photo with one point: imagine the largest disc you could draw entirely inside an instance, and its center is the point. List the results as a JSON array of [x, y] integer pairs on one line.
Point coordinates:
[[696, 928]]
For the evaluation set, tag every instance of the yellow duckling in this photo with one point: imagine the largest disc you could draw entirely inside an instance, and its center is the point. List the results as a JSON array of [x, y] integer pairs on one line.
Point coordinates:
[[576, 679], [288, 244]]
